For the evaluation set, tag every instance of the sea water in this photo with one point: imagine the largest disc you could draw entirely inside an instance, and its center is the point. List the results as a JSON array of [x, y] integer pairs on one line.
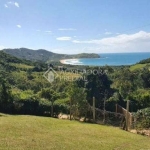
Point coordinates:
[[111, 59]]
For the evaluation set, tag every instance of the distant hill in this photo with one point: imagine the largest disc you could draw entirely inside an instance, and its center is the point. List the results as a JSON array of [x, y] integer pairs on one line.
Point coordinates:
[[44, 55], [9, 62], [145, 61], [7, 58]]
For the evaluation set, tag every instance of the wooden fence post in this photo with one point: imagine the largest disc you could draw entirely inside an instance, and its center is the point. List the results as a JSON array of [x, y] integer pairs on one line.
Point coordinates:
[[70, 108], [104, 111], [127, 116], [93, 109]]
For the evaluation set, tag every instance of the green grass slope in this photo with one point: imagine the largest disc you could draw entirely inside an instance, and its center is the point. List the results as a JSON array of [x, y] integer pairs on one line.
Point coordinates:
[[137, 66], [30, 132]]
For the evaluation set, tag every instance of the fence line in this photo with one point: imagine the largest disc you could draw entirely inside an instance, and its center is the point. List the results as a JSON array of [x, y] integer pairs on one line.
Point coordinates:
[[123, 111], [107, 117], [117, 118]]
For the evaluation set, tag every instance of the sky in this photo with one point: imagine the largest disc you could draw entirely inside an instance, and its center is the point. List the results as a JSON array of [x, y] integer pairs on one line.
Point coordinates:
[[76, 26]]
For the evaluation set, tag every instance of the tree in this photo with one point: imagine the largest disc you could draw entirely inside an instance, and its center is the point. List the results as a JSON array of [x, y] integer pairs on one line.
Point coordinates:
[[146, 78], [6, 99], [79, 103], [125, 82], [51, 95], [98, 84]]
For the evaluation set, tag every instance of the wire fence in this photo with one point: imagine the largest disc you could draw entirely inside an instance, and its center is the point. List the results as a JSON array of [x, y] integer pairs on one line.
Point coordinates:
[[117, 118]]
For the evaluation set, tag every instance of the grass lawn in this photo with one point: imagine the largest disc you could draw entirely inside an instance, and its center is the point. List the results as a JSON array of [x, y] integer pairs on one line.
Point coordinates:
[[43, 133], [22, 66], [137, 66]]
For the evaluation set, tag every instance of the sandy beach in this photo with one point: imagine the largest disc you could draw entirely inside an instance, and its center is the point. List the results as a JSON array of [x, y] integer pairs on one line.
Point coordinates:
[[63, 61], [71, 61]]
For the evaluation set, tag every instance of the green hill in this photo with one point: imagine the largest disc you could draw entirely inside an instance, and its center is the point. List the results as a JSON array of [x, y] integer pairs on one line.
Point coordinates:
[[43, 133], [145, 61], [4, 57], [9, 62], [8, 58], [44, 55]]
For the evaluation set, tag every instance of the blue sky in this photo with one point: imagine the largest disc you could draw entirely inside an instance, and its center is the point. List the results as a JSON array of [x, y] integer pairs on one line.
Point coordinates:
[[75, 26]]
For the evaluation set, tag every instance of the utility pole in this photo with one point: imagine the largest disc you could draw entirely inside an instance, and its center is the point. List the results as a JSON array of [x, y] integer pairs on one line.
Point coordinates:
[[127, 116], [93, 109]]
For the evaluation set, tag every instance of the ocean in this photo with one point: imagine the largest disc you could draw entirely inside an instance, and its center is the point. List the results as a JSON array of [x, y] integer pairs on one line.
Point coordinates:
[[111, 59]]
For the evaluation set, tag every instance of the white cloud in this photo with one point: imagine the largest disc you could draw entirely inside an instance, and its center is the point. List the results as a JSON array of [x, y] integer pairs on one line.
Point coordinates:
[[107, 33], [2, 47], [67, 29], [38, 30], [19, 26], [48, 32], [6, 6], [120, 39], [121, 43], [16, 4], [141, 36], [11, 3], [64, 38]]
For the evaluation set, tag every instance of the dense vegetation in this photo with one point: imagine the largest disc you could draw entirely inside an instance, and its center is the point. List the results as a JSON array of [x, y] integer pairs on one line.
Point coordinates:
[[143, 118], [145, 61], [24, 90], [44, 55]]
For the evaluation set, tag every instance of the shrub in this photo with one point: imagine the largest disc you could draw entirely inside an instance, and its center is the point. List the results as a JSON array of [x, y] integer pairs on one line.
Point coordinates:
[[143, 118]]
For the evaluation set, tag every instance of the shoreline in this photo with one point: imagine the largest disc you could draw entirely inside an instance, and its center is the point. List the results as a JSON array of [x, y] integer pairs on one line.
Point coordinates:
[[62, 61], [108, 59]]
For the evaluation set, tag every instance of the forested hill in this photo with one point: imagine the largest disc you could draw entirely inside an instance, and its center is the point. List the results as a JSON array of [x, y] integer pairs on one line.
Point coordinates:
[[8, 63], [7, 58], [44, 55], [145, 61]]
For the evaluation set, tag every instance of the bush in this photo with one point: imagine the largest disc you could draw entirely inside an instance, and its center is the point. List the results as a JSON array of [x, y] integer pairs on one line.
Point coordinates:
[[41, 107], [143, 118]]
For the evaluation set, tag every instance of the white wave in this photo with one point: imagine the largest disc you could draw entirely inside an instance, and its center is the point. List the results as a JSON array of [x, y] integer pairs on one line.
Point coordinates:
[[72, 62]]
